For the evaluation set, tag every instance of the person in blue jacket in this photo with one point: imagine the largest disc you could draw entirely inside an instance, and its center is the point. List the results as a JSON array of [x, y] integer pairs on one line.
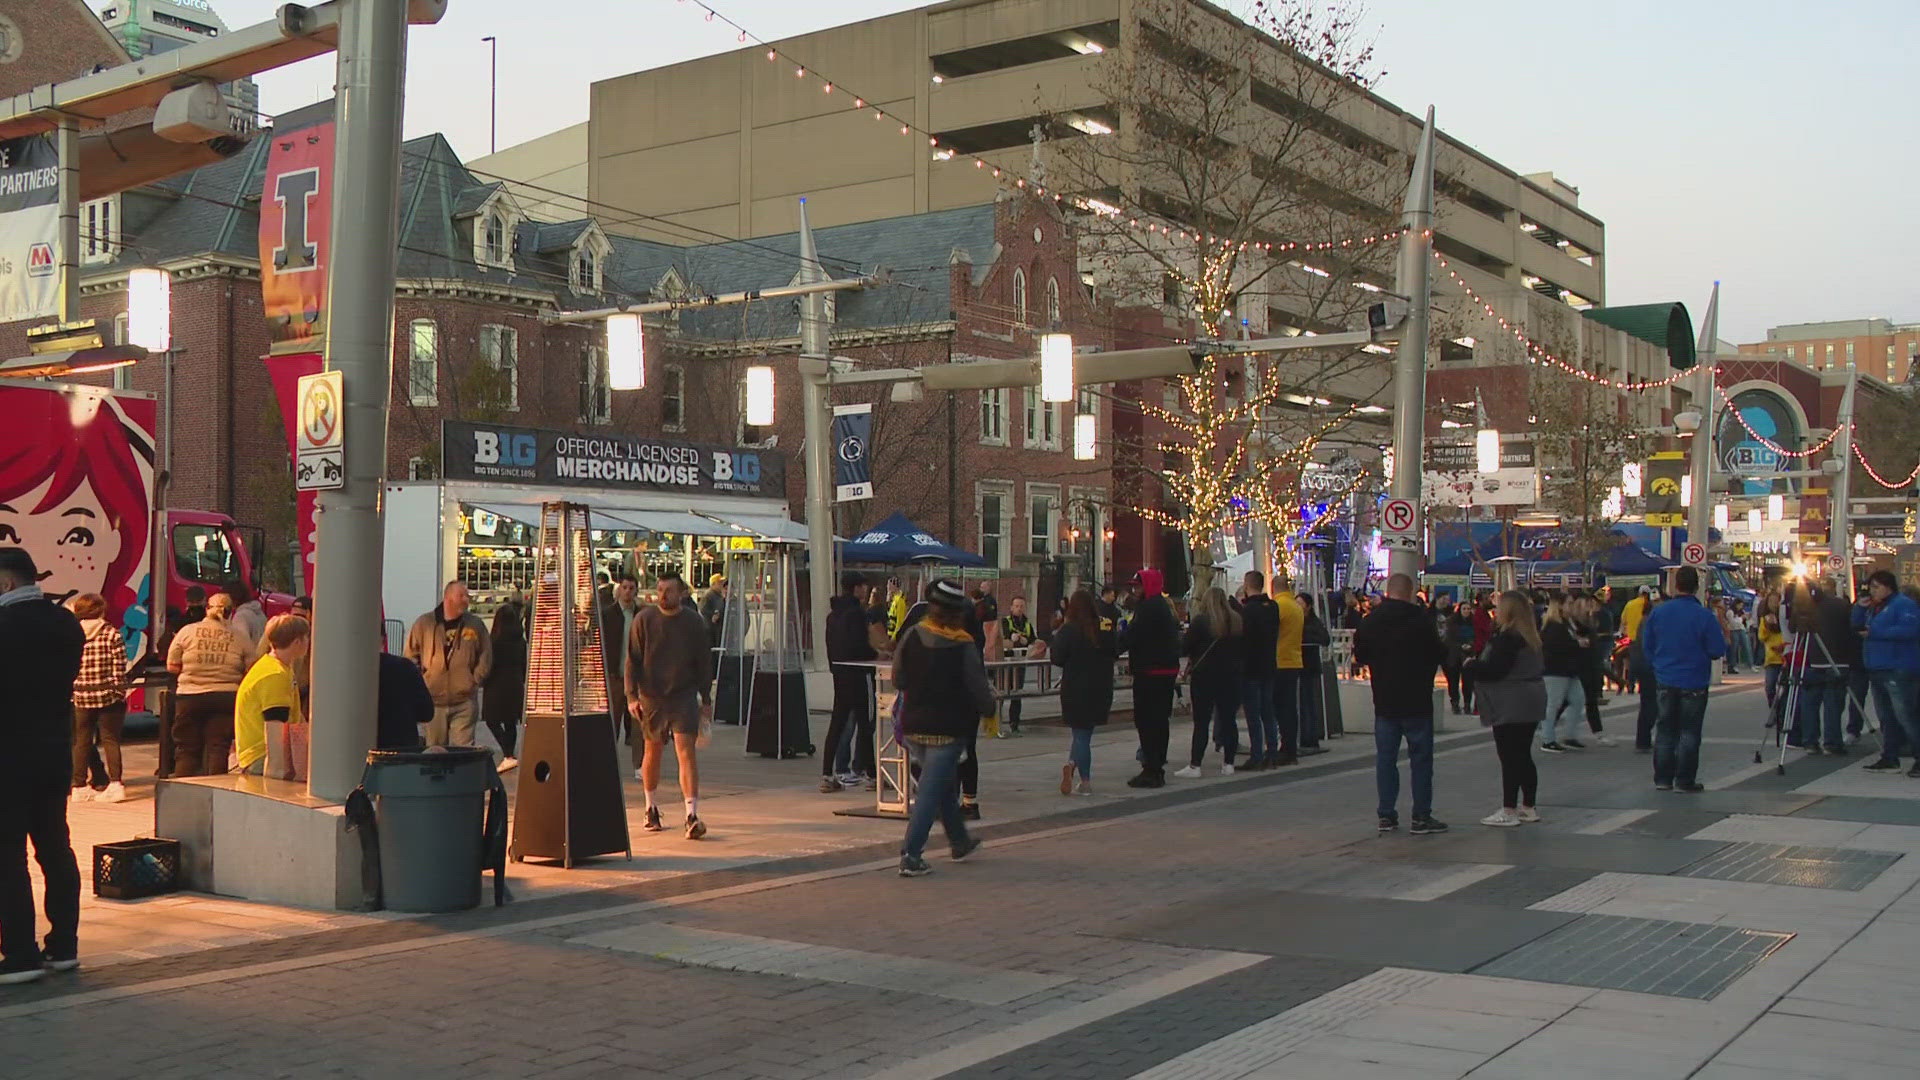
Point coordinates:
[[1681, 639], [1891, 655]]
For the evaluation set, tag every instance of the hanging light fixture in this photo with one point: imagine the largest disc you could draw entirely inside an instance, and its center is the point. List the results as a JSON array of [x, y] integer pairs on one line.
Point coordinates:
[[1753, 520], [1630, 479], [1056, 367], [1686, 491], [1486, 450], [1085, 435], [1859, 541], [150, 309], [1720, 516], [626, 352], [759, 396], [1776, 507]]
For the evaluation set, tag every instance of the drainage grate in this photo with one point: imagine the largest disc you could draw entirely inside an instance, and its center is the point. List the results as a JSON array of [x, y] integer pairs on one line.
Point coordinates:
[[1647, 956], [1788, 864]]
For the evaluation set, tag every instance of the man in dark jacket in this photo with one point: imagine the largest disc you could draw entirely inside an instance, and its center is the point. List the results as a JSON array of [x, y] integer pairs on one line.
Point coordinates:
[[1835, 650], [945, 690], [615, 615], [847, 643], [1399, 645], [40, 642], [1152, 644], [1261, 620], [969, 766]]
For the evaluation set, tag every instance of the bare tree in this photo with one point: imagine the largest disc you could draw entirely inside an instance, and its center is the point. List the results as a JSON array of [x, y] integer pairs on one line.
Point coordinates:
[[1219, 185], [1582, 432]]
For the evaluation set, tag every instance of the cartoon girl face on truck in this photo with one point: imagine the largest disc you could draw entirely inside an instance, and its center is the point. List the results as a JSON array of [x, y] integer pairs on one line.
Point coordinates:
[[75, 476]]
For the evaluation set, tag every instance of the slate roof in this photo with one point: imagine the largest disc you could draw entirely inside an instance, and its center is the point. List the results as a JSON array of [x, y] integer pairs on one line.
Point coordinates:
[[215, 210]]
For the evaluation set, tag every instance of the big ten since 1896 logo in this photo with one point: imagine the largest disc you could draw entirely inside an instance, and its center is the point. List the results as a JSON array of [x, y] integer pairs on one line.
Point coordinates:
[[501, 448], [736, 467]]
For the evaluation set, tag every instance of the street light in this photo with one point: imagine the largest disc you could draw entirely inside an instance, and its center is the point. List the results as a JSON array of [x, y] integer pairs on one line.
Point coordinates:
[[150, 309], [626, 352], [1630, 479], [1859, 541], [1721, 516], [1753, 520], [1056, 367], [759, 396], [1776, 507], [1686, 491], [1486, 450], [1085, 434]]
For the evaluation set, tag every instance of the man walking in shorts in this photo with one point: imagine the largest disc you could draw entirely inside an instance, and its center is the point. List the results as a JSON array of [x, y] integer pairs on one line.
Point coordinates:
[[668, 680]]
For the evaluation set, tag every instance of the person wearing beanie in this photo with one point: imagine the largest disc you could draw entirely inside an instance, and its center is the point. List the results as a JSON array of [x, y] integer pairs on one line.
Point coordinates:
[[942, 677]]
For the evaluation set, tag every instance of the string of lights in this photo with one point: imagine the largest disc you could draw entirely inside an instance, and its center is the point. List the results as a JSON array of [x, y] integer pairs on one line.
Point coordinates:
[[1908, 481], [1769, 443], [1540, 356], [881, 114]]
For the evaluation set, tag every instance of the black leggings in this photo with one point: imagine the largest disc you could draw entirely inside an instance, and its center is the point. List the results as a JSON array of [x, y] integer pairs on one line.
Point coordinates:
[[1590, 682], [1518, 777], [970, 767]]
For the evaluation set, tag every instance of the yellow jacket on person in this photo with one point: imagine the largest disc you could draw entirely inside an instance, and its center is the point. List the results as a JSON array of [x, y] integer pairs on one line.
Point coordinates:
[[1774, 640], [1293, 622], [896, 614], [1631, 616]]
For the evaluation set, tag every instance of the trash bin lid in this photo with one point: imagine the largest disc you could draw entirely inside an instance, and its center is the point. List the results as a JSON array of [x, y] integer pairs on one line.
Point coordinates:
[[443, 755], [455, 770]]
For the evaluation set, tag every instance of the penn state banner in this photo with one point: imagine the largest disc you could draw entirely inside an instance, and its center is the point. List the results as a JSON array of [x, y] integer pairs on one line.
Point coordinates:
[[852, 452], [296, 212]]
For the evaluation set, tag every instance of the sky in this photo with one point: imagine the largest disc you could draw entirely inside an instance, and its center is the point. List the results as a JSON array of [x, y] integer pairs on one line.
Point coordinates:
[[1765, 144]]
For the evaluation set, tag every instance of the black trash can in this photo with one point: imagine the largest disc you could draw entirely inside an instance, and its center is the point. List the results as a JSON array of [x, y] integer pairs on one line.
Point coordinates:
[[430, 808]]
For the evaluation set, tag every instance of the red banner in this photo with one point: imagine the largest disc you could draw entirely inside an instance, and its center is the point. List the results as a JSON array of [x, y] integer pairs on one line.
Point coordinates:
[[296, 211], [285, 372]]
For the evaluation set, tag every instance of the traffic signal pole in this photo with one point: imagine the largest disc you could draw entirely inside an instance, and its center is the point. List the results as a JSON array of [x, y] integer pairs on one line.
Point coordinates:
[[1413, 280]]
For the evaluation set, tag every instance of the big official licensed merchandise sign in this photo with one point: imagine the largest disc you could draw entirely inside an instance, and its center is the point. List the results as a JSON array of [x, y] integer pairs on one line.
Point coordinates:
[[497, 452]]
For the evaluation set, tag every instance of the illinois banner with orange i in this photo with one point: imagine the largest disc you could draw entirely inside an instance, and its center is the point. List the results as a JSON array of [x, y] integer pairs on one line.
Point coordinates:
[[296, 212]]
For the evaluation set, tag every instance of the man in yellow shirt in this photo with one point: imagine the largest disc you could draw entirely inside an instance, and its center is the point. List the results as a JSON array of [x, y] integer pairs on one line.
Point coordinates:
[[268, 692], [1635, 611], [1287, 662]]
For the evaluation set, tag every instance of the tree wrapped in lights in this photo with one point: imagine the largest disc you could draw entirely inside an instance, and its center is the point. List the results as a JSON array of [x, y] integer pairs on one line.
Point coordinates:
[[1216, 186]]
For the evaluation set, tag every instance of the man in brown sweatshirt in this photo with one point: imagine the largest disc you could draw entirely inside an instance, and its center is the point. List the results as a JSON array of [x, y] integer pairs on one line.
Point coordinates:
[[669, 673]]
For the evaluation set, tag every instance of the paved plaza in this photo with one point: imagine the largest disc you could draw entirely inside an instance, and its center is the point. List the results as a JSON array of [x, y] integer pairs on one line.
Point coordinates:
[[1247, 926]]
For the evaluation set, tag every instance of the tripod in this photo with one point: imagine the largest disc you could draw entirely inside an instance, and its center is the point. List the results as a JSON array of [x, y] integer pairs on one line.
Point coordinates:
[[1786, 700]]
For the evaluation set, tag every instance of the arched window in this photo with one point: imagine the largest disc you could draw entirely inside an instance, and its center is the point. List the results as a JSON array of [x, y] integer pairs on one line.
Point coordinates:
[[1053, 302], [1020, 294], [497, 239]]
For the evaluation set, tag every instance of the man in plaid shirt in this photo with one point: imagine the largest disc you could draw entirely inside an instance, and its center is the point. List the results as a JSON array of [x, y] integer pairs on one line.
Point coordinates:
[[99, 698]]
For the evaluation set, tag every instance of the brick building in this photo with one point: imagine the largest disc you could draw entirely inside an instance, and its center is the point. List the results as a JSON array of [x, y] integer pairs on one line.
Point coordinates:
[[1878, 347]]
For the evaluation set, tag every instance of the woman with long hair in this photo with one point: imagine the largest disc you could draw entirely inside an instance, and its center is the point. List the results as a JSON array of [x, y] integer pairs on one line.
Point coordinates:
[[99, 699], [1212, 649], [1508, 676], [1563, 643], [1085, 658], [504, 699]]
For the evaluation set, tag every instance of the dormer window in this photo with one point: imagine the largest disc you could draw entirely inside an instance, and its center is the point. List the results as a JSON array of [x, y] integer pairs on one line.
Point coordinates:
[[496, 251], [586, 270]]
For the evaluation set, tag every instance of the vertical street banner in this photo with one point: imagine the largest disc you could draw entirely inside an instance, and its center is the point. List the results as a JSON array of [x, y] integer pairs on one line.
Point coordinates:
[[296, 212], [1815, 518], [1663, 474], [29, 229], [852, 452], [286, 372]]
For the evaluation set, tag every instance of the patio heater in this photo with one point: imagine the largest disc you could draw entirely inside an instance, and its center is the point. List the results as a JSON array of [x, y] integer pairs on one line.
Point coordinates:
[[570, 804]]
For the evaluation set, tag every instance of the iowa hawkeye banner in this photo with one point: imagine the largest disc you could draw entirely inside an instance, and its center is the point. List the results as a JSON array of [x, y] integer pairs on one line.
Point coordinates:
[[29, 229], [296, 211]]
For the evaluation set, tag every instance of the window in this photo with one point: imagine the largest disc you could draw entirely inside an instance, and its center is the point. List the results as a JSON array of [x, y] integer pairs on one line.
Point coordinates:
[[1791, 353], [1829, 355], [1087, 402], [202, 555], [423, 362], [99, 241], [586, 270], [419, 468], [1043, 519], [994, 503], [1849, 354], [500, 352], [993, 416], [596, 397], [673, 398], [1042, 422], [496, 253], [1170, 289], [123, 376], [1053, 302], [1020, 295]]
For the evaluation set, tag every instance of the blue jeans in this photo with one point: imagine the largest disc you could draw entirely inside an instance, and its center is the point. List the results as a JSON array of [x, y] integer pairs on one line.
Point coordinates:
[[1258, 691], [1080, 752], [1773, 681], [1566, 696], [1823, 695], [1386, 764], [1893, 700], [938, 792], [1676, 736]]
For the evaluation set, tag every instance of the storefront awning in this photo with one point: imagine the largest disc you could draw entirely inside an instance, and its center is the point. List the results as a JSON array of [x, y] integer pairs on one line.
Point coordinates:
[[769, 527], [765, 526]]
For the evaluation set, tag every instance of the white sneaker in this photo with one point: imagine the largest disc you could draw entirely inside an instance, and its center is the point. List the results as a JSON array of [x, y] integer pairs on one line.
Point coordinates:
[[1502, 818], [1226, 770], [1191, 772], [1604, 739], [508, 764], [1528, 815], [636, 774], [82, 794], [116, 792]]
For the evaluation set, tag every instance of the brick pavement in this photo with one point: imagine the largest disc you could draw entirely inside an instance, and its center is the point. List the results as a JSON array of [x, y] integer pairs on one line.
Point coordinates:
[[489, 994]]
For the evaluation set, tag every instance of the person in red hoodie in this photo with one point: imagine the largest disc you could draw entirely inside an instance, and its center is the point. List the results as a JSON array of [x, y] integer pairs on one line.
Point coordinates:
[[1152, 645]]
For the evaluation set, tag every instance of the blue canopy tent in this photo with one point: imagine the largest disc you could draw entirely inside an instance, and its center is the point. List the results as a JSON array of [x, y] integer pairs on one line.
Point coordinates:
[[897, 541]]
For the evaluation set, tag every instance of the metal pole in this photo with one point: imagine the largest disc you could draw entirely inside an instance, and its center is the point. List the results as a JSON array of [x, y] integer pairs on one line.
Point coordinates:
[[815, 353], [366, 171], [67, 144], [493, 94], [1700, 512], [1412, 279], [1841, 518]]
